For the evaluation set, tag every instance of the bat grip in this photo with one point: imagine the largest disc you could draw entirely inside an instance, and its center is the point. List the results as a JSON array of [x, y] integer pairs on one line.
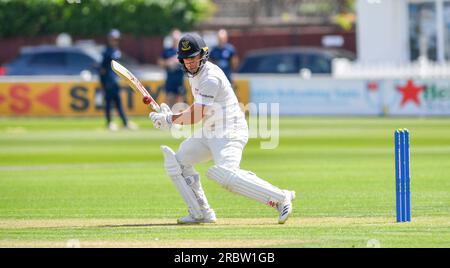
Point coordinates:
[[156, 107]]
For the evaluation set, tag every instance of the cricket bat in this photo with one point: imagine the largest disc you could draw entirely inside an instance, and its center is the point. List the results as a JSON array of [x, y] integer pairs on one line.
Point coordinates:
[[135, 84]]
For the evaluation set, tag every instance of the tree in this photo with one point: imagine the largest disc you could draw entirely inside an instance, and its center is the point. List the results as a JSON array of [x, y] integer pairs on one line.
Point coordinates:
[[96, 17]]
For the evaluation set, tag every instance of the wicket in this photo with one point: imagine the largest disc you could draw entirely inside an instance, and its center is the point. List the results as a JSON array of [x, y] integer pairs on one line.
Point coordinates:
[[402, 175]]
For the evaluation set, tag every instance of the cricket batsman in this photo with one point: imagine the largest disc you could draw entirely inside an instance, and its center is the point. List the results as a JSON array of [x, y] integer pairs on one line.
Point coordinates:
[[222, 138]]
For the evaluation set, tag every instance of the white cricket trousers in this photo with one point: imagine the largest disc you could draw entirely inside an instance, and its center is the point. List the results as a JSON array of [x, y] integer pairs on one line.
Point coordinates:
[[225, 150]]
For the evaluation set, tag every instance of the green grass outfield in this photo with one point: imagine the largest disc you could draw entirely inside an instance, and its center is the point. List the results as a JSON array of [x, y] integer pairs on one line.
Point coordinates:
[[66, 179]]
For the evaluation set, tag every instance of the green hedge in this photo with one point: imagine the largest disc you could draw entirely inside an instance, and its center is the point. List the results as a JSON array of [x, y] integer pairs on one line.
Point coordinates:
[[97, 17]]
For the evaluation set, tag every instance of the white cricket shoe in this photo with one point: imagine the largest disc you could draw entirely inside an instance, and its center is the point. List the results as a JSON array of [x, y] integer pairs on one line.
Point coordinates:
[[132, 126], [285, 208], [113, 127], [208, 217]]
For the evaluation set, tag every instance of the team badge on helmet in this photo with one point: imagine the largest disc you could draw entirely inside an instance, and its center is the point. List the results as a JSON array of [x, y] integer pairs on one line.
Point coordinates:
[[185, 45]]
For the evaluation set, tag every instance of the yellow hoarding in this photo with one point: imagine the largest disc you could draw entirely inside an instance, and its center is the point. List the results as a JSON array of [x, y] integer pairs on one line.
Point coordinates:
[[81, 98]]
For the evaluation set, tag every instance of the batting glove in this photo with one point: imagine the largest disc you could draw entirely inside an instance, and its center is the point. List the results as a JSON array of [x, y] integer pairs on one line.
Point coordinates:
[[162, 120], [165, 109]]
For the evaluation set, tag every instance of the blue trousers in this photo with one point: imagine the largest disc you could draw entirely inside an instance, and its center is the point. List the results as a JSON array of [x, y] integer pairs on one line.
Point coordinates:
[[112, 97]]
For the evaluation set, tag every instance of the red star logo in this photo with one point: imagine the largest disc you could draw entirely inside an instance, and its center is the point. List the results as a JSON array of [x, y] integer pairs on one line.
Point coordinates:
[[410, 92], [372, 86]]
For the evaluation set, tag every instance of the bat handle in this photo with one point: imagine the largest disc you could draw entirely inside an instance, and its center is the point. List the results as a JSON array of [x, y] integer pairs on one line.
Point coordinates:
[[156, 107]]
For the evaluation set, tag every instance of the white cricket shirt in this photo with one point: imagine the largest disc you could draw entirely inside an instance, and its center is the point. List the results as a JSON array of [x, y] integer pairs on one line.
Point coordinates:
[[211, 87]]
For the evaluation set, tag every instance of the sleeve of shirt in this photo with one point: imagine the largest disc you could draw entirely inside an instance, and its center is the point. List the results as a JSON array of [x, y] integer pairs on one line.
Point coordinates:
[[163, 54], [106, 60], [207, 92], [116, 55], [232, 50], [212, 54]]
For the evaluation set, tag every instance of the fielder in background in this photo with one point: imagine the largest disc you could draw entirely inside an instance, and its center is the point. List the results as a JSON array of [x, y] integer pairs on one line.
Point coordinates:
[[109, 82], [224, 55], [222, 138], [174, 85]]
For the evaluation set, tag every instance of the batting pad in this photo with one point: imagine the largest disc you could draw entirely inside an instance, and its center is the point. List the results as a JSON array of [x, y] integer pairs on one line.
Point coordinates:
[[175, 173], [247, 184]]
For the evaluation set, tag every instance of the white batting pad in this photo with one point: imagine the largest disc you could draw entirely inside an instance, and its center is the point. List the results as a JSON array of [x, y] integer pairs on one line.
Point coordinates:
[[174, 171], [247, 184]]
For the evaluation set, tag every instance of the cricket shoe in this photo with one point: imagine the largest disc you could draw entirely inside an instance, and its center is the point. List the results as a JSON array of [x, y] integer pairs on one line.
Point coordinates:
[[285, 208], [208, 217], [113, 127], [131, 126]]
